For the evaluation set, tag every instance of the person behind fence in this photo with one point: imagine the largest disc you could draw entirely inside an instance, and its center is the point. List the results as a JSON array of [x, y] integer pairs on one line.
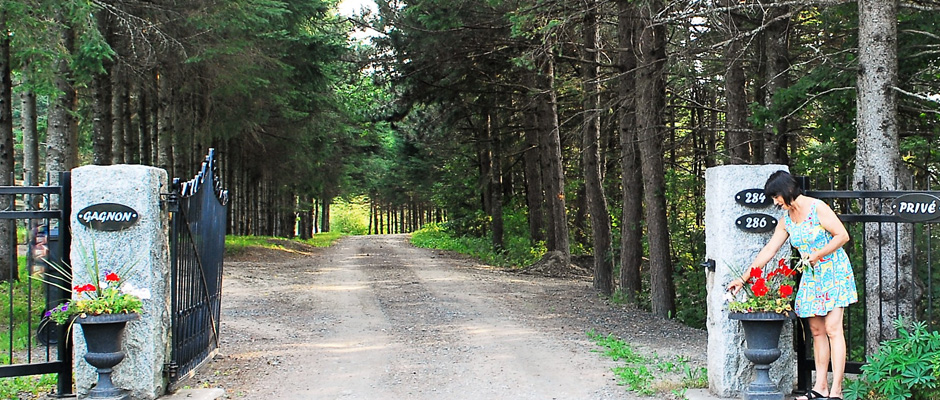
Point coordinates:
[[826, 288], [38, 247]]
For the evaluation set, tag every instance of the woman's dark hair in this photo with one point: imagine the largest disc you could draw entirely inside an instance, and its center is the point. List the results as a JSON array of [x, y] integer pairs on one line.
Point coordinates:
[[782, 184]]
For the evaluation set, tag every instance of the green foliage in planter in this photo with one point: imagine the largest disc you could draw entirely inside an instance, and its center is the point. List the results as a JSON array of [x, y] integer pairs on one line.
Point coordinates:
[[906, 368]]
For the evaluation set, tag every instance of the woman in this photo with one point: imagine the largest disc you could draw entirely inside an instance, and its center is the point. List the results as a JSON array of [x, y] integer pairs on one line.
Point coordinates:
[[826, 289]]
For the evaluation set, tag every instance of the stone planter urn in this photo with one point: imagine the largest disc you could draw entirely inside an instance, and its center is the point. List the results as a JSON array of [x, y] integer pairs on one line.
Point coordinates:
[[104, 335], [762, 335]]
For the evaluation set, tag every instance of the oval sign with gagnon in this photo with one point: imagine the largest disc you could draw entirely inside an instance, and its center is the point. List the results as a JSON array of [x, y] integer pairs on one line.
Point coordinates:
[[108, 217], [917, 207], [753, 198], [757, 223]]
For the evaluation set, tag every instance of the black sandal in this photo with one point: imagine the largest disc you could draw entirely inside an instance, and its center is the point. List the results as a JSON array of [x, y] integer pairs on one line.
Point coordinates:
[[811, 395]]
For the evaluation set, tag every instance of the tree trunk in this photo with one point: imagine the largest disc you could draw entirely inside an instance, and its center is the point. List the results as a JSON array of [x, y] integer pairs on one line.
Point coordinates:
[[165, 97], [590, 157], [28, 120], [144, 98], [325, 214], [101, 104], [651, 100], [533, 175], [551, 155], [62, 133], [631, 245], [494, 179], [777, 63], [8, 270], [118, 102], [891, 293], [153, 102], [132, 125], [737, 131]]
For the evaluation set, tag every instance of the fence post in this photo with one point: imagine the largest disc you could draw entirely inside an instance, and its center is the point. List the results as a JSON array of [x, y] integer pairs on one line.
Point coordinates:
[[143, 244], [728, 250]]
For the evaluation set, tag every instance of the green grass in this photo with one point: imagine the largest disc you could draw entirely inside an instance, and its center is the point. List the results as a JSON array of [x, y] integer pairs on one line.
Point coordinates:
[[27, 387], [639, 373], [25, 316], [517, 252], [324, 239], [236, 244], [23, 387]]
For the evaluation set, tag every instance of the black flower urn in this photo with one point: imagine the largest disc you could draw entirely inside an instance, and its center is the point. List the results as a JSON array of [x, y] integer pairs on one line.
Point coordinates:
[[104, 335], [762, 334]]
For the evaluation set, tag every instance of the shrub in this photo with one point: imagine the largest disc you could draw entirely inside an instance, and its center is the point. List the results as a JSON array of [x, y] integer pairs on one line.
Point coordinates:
[[906, 368]]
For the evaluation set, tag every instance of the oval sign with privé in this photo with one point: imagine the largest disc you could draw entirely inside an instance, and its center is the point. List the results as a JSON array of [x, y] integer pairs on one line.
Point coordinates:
[[753, 198], [917, 207], [757, 223], [108, 217]]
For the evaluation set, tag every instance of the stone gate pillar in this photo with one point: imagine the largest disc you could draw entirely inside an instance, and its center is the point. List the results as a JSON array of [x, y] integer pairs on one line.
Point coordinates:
[[730, 250], [142, 244]]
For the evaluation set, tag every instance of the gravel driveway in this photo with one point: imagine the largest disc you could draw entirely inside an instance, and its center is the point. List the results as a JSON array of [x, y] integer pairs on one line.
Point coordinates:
[[374, 318]]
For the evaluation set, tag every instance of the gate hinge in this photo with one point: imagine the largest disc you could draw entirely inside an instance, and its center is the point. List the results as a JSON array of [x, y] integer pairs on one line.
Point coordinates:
[[170, 202], [171, 370]]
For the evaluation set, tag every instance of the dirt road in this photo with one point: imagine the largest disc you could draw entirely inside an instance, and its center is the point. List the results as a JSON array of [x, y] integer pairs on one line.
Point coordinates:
[[375, 318]]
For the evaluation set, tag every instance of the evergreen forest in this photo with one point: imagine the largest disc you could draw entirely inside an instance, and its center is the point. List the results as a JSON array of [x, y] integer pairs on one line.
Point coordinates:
[[551, 128]]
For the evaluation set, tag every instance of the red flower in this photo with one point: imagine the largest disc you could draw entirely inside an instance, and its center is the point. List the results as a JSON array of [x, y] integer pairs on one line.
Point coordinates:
[[760, 288], [112, 277], [84, 288], [786, 290], [782, 263], [756, 272]]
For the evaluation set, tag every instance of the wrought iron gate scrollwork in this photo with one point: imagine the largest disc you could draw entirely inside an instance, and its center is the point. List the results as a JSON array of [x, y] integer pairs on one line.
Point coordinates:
[[197, 244]]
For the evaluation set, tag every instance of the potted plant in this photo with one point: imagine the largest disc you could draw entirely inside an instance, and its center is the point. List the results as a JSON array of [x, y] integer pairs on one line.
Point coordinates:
[[102, 307], [763, 305]]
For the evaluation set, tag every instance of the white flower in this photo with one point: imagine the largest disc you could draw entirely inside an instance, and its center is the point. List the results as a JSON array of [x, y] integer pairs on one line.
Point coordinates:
[[129, 288]]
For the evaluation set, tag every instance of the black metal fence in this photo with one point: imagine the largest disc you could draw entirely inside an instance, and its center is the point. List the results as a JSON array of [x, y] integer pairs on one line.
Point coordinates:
[[197, 244], [33, 345], [872, 213]]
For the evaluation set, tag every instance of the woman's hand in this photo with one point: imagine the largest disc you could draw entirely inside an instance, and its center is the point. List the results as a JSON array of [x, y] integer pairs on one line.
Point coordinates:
[[815, 258], [735, 286]]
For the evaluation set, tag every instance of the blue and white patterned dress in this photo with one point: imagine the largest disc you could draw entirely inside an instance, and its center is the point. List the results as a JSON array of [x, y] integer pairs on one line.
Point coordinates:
[[831, 284]]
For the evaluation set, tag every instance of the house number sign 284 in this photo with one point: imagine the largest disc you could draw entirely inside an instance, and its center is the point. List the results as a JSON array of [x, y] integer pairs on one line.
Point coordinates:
[[754, 222]]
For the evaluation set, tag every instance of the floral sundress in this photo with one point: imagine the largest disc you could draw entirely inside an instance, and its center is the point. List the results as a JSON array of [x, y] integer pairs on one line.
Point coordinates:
[[831, 284]]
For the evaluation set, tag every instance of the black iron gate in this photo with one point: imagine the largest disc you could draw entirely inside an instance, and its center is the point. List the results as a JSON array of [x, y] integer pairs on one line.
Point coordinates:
[[873, 211], [197, 244], [35, 345]]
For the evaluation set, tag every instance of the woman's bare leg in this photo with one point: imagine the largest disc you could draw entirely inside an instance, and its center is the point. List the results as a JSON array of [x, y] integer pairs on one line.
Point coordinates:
[[817, 326], [837, 351]]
